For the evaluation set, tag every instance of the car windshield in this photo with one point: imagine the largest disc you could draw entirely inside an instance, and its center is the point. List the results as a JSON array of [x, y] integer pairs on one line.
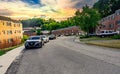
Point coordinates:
[[43, 36], [34, 38]]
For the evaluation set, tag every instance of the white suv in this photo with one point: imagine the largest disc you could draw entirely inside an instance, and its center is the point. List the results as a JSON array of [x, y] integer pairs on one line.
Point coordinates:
[[45, 38]]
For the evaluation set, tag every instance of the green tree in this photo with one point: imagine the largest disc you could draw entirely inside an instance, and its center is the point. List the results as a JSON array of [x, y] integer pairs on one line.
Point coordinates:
[[88, 19], [38, 31], [107, 7]]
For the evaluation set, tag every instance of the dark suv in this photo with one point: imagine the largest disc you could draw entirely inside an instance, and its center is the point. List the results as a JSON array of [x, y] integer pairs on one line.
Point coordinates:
[[34, 41]]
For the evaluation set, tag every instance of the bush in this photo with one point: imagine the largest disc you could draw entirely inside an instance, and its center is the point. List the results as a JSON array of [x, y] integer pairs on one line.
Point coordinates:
[[84, 36], [25, 37], [116, 37], [2, 52]]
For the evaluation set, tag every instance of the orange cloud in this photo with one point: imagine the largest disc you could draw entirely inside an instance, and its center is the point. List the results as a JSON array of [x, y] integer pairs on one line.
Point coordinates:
[[18, 9]]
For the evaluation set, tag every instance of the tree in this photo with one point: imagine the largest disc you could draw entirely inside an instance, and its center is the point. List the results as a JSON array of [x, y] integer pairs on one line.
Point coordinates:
[[38, 31], [107, 7], [88, 19], [33, 22]]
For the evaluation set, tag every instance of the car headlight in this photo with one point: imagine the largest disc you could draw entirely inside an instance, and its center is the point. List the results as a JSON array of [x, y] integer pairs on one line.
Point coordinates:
[[26, 43]]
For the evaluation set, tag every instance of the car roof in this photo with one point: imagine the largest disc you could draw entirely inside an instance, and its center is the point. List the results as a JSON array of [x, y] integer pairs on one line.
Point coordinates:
[[34, 36]]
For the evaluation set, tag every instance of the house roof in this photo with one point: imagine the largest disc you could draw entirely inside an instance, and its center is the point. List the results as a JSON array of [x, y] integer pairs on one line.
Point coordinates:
[[66, 28], [8, 19]]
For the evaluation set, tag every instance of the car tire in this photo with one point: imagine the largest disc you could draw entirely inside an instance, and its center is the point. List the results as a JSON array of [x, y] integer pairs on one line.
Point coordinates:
[[41, 45], [26, 47]]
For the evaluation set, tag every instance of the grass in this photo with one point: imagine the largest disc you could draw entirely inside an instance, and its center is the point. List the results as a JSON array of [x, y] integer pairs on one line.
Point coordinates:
[[94, 39], [111, 43], [106, 42], [3, 51]]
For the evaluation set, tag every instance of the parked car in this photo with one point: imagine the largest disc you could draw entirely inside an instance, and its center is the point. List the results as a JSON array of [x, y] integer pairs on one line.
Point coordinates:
[[92, 34], [104, 33], [34, 41], [45, 38], [51, 37]]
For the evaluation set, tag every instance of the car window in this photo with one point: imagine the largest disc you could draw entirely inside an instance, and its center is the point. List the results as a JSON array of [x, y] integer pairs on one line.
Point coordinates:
[[102, 31], [34, 38], [107, 31]]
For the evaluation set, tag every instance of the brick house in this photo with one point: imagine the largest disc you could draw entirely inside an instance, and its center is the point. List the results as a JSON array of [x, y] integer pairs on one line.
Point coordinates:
[[29, 31], [74, 30], [111, 22]]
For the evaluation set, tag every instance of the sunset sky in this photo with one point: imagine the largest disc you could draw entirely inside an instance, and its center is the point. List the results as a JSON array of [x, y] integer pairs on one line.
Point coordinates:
[[58, 9]]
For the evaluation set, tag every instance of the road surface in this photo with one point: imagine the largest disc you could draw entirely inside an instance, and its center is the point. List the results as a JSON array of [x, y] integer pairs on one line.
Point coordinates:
[[65, 56]]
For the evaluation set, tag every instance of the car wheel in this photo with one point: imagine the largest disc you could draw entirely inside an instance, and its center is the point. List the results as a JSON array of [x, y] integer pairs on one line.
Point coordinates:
[[41, 45]]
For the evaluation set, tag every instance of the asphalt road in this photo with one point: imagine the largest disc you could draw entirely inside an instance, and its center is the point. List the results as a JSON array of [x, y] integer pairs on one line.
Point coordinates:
[[65, 56]]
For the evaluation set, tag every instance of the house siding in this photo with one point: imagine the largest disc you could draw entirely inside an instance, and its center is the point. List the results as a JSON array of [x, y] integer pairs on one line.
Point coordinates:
[[10, 33], [111, 22]]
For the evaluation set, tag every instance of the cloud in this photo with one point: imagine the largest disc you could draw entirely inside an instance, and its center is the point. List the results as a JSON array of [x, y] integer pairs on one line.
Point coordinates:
[[30, 8]]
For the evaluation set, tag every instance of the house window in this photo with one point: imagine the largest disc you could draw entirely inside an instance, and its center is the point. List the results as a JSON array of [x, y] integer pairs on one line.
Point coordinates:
[[0, 41], [14, 25], [111, 25], [103, 26], [118, 22], [113, 17], [8, 23], [9, 32], [3, 23], [3, 31], [10, 40]]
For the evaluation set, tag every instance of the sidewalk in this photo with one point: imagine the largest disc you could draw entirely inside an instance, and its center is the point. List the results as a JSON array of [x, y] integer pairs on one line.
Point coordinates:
[[8, 58]]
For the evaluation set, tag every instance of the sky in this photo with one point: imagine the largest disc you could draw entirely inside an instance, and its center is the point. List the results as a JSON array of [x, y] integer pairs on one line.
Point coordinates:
[[57, 9]]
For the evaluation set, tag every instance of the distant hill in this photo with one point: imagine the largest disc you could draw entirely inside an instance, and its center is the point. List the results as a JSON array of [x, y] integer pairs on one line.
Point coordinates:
[[35, 22]]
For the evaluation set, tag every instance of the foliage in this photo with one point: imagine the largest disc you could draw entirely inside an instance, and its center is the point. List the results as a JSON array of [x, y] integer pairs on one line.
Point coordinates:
[[107, 7], [116, 37], [87, 19], [3, 51], [54, 25], [38, 31], [34, 22], [84, 36], [25, 37]]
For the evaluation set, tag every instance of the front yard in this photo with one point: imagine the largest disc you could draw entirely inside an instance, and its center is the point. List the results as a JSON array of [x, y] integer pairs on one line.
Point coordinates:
[[106, 42]]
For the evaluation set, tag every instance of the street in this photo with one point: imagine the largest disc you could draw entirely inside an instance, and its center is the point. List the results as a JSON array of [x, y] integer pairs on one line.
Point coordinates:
[[66, 56]]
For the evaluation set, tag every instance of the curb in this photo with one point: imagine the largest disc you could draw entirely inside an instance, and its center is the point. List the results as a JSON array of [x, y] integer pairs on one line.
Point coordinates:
[[7, 59]]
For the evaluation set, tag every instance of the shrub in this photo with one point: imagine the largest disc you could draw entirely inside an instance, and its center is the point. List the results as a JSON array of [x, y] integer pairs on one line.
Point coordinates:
[[25, 37], [2, 52], [84, 36], [116, 37], [38, 31]]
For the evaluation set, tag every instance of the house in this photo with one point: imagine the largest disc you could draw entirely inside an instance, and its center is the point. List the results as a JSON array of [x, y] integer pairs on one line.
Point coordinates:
[[74, 30], [111, 22], [10, 32], [29, 31]]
